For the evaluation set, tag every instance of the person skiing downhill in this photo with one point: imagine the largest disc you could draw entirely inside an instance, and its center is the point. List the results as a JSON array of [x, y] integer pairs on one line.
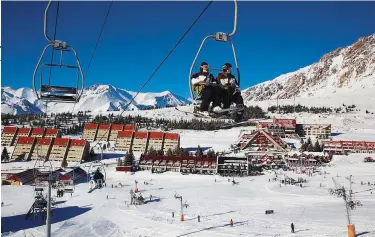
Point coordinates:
[[207, 88]]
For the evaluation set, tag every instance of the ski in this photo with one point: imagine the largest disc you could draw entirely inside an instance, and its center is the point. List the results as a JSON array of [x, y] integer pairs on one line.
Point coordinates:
[[211, 116]]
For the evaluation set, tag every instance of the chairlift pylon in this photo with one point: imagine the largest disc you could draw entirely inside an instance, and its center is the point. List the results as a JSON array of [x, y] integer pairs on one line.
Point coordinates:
[[50, 91], [220, 37]]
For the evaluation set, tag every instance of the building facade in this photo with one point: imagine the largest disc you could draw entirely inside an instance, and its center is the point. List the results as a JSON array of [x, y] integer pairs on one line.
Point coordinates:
[[114, 131], [124, 141], [90, 131], [155, 140], [8, 136], [42, 148], [344, 147], [103, 132], [52, 133], [322, 131], [59, 149], [24, 148], [140, 140], [37, 132], [171, 141], [78, 151]]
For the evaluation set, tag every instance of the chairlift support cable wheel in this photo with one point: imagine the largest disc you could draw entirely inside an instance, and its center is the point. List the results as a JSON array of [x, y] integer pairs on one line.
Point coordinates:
[[47, 92], [220, 37]]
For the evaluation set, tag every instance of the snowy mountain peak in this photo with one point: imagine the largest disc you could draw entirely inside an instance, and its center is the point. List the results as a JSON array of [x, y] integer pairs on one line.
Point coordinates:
[[96, 98], [342, 70]]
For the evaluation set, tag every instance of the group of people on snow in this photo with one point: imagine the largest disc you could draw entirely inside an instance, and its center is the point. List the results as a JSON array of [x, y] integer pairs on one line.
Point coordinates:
[[223, 89]]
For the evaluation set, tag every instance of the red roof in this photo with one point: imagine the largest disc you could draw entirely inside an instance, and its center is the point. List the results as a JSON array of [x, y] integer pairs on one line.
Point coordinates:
[[104, 126], [76, 142], [172, 136], [91, 126], [141, 135], [52, 131], [286, 123], [44, 141], [155, 135], [130, 127], [25, 140], [37, 131], [125, 134], [61, 142], [118, 127], [10, 129], [24, 130]]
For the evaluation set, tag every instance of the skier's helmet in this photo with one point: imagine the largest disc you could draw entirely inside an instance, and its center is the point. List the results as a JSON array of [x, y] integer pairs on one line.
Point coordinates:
[[227, 66]]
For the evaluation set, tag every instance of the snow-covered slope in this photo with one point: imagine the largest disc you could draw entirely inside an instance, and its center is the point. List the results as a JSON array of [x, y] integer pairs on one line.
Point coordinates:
[[96, 98], [344, 72], [106, 212], [12, 104]]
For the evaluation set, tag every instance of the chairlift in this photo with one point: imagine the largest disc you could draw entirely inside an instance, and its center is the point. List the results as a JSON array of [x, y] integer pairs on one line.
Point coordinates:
[[220, 37], [50, 91]]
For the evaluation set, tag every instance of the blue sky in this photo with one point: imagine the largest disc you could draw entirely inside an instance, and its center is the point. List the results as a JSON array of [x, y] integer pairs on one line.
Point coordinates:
[[272, 38]]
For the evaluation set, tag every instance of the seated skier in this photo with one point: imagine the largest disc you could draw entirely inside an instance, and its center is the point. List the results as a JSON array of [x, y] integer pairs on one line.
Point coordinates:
[[230, 92], [206, 88]]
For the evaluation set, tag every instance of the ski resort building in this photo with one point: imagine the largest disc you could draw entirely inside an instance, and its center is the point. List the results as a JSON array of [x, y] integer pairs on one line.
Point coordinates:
[[114, 131], [24, 148], [20, 178], [72, 176], [289, 125], [22, 132], [59, 149], [171, 141], [8, 136], [103, 132], [272, 128], [343, 147], [232, 165], [52, 133], [78, 150], [139, 143], [182, 164], [261, 141], [270, 160], [37, 132], [90, 131], [155, 140], [322, 131], [124, 141], [130, 127], [42, 148]]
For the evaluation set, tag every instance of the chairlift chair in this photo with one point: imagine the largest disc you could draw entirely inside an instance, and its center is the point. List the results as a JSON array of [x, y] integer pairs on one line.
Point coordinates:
[[52, 91], [220, 37]]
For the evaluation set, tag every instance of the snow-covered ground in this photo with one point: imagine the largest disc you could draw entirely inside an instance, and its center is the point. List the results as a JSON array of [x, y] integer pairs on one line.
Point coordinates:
[[313, 211]]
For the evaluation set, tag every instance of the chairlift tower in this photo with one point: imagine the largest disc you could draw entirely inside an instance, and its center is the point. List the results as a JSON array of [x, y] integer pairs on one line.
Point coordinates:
[[42, 173], [185, 205]]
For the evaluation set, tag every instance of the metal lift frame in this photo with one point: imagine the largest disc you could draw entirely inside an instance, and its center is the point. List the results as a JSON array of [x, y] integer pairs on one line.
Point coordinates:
[[220, 37], [58, 46]]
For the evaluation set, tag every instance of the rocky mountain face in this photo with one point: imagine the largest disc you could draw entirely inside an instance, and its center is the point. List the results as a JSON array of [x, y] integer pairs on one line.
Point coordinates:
[[343, 70]]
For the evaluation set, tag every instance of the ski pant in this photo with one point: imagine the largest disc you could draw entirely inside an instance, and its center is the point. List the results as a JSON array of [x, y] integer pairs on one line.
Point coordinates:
[[228, 97], [210, 94]]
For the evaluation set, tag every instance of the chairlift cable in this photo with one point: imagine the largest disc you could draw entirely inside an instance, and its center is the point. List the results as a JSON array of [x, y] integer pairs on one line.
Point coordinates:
[[54, 38], [165, 59], [170, 52], [96, 46], [97, 41]]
